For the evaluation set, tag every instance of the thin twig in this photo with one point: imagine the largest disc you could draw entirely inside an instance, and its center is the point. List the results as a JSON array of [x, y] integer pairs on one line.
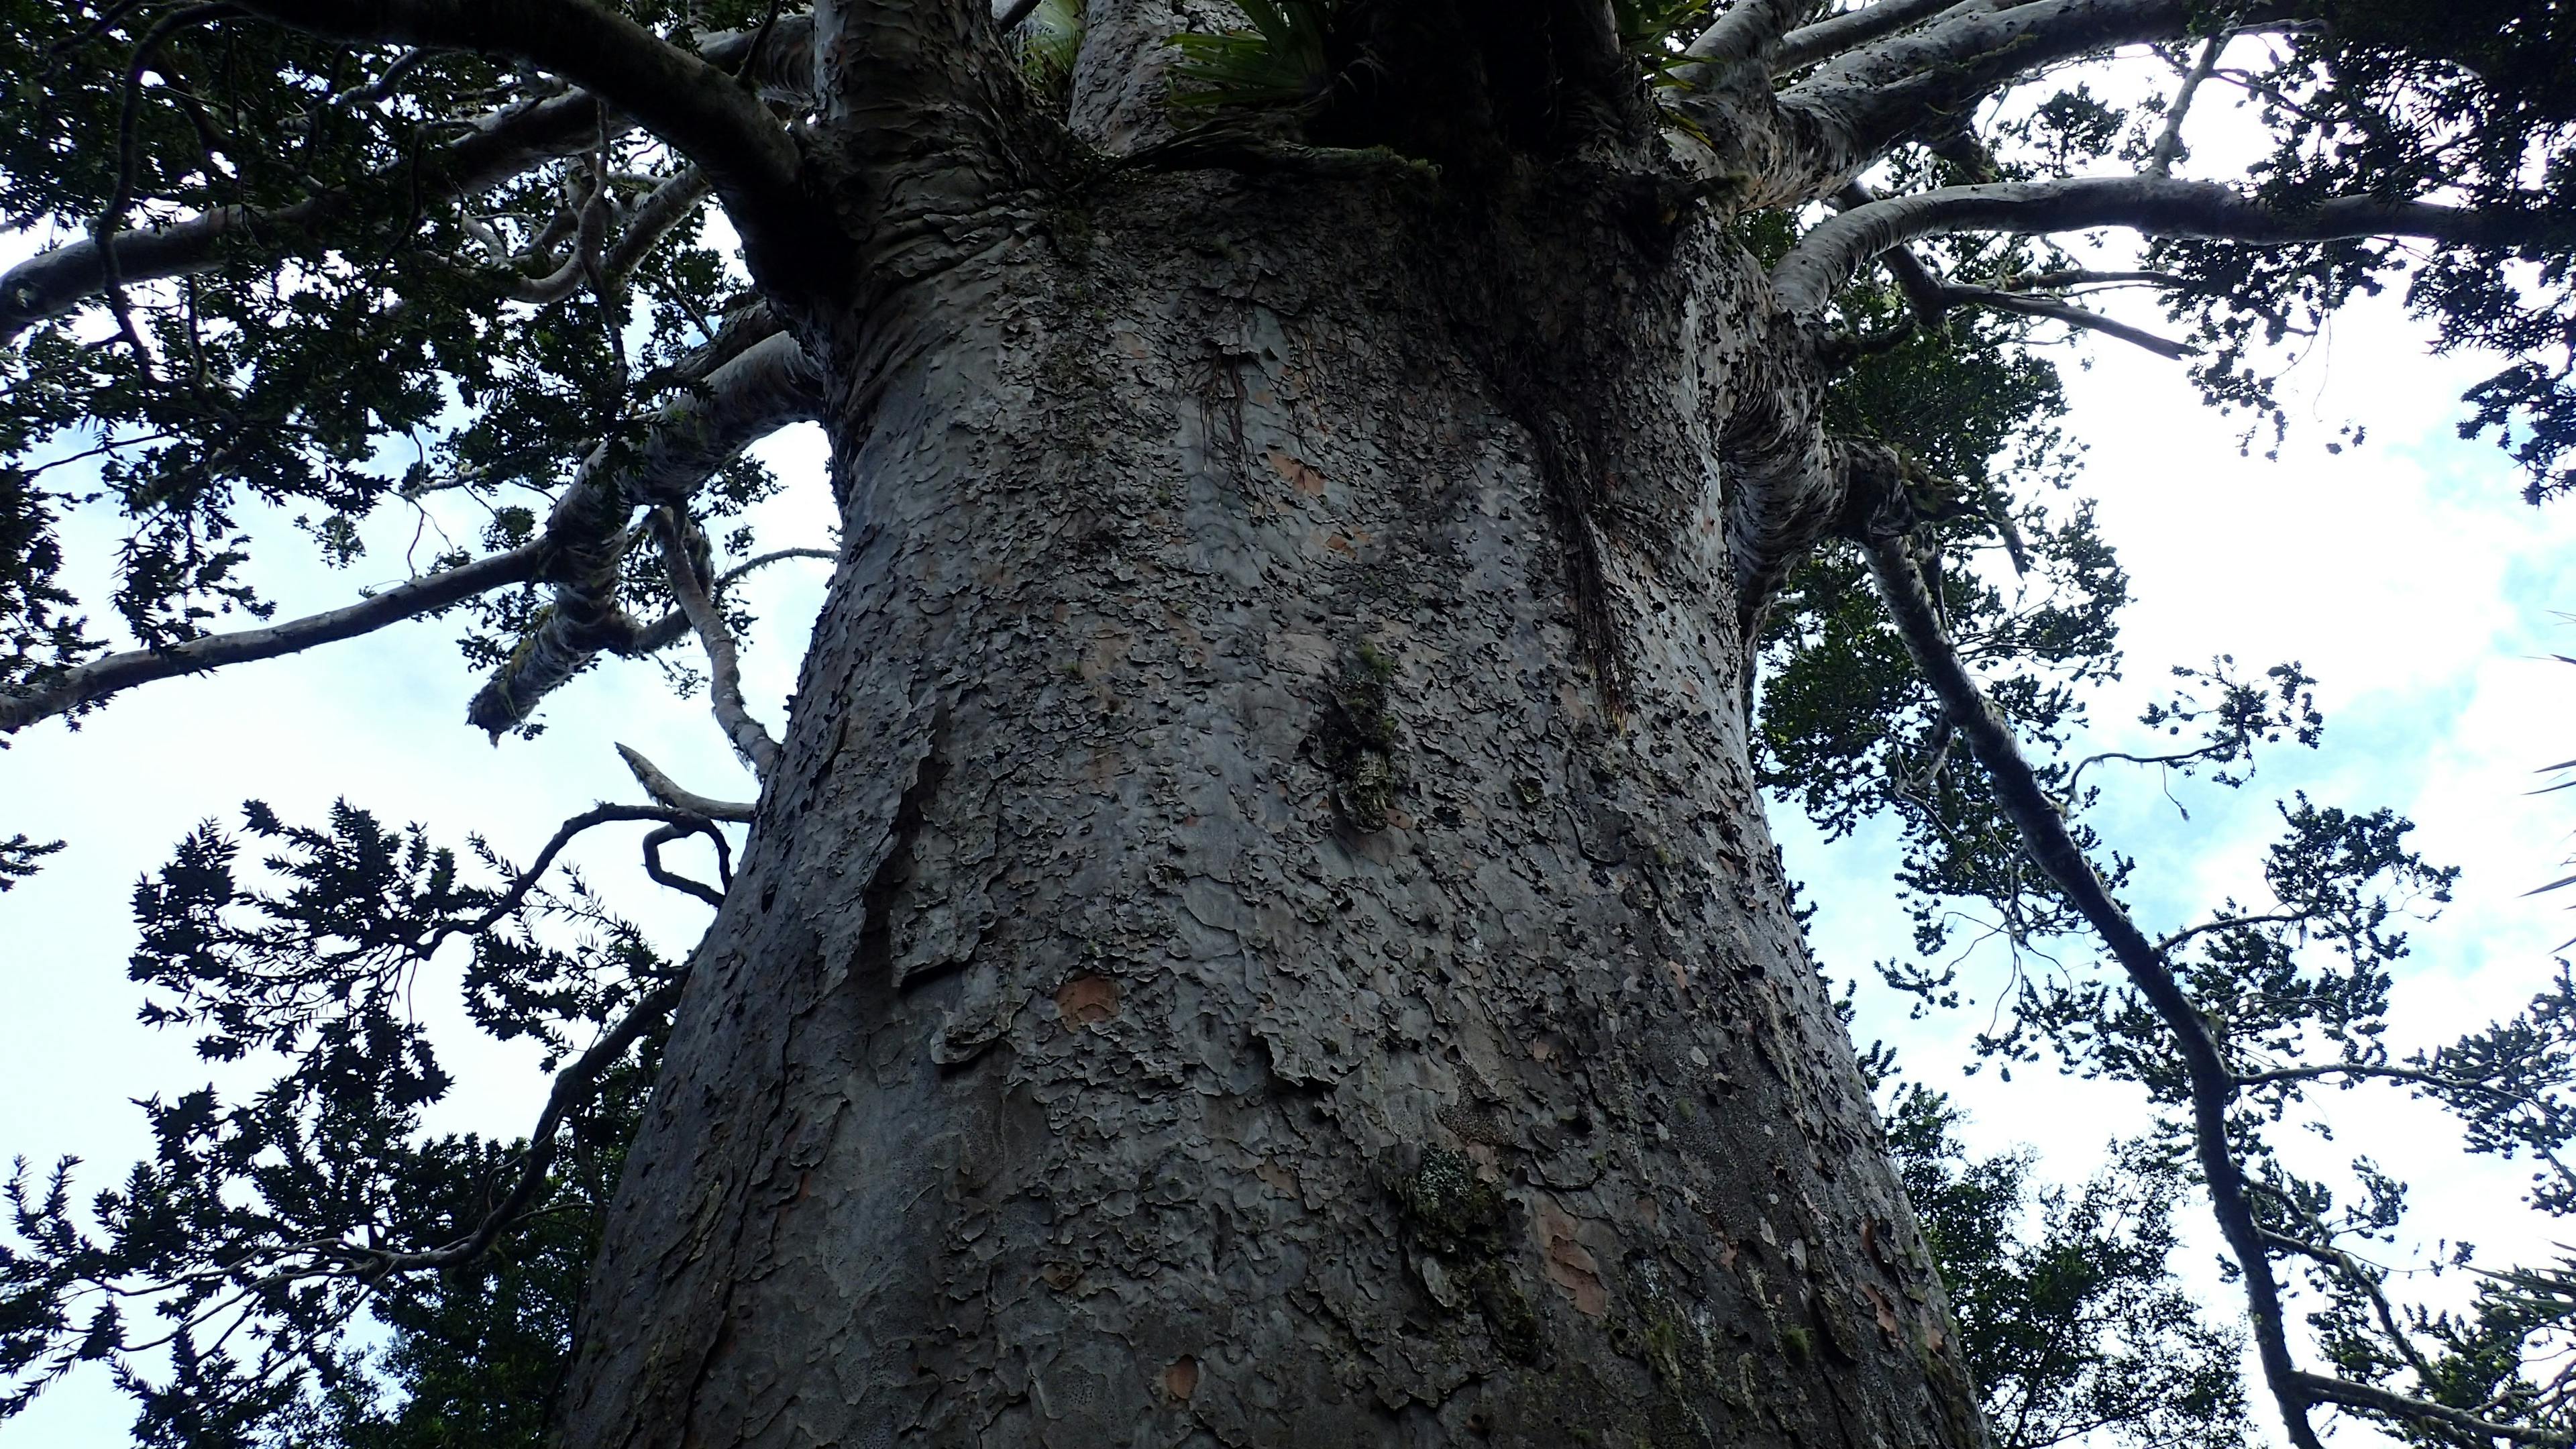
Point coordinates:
[[570, 1086]]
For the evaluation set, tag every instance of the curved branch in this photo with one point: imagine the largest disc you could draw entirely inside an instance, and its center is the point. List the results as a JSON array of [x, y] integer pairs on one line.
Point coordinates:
[[724, 670], [665, 876], [1854, 108], [1742, 42], [666, 790], [765, 387], [673, 626], [598, 815], [1923, 291], [668, 205], [1826, 257], [688, 102], [425, 595]]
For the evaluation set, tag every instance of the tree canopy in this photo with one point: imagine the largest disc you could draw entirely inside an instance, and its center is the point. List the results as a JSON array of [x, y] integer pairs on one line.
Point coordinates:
[[536, 274]]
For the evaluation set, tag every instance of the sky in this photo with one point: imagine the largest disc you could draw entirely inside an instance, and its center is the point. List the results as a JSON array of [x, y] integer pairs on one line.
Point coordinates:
[[2406, 575]]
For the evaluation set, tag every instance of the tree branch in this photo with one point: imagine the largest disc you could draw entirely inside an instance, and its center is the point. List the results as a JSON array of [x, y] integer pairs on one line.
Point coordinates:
[[2366, 1396], [505, 144], [1826, 257], [2052, 848], [724, 671], [501, 145], [2066, 312], [571, 1085], [1923, 291], [424, 595], [662, 788], [663, 875], [2169, 140], [598, 815], [1853, 109], [1835, 34], [1740, 44], [695, 107], [762, 389]]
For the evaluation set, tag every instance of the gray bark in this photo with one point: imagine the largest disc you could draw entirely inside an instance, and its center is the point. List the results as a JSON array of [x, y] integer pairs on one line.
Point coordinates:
[[1262, 931]]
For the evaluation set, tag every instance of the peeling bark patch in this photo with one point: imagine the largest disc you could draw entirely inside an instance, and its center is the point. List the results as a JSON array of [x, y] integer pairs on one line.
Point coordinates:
[[1087, 1000], [877, 902], [1571, 1266], [1182, 1379], [1297, 473]]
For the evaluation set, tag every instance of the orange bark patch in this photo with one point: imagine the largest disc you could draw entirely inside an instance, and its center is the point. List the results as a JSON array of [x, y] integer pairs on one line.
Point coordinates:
[[1297, 473], [1570, 1265], [1279, 1179], [1182, 1379], [1886, 1312], [1086, 1000]]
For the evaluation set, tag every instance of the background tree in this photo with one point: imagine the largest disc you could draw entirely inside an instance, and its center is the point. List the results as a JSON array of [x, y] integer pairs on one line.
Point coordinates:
[[1269, 816]]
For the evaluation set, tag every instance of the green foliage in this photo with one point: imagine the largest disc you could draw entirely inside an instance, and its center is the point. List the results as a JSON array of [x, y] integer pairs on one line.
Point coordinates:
[[2475, 103], [1654, 31], [18, 857], [2070, 1318], [382, 367], [312, 1182], [1287, 59], [1049, 41]]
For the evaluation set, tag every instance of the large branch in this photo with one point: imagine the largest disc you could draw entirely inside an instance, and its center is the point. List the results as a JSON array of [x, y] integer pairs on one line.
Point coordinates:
[[691, 104], [1851, 111], [762, 389], [425, 595], [1826, 257], [500, 145], [1835, 34], [1742, 40]]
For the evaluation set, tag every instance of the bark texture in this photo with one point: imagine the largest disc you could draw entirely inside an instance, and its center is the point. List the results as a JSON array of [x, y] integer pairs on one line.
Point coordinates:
[[1262, 931]]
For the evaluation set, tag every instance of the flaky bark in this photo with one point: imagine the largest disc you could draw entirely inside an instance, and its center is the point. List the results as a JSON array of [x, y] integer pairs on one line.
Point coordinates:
[[1219, 955]]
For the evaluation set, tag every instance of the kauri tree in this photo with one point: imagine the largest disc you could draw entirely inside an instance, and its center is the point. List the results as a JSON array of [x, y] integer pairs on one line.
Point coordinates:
[[1257, 927]]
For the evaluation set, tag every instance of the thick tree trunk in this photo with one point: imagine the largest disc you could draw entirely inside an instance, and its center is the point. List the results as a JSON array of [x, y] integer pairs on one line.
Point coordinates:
[[1264, 933]]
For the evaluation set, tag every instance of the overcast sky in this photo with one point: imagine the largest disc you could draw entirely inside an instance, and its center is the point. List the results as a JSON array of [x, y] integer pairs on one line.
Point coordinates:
[[2406, 575]]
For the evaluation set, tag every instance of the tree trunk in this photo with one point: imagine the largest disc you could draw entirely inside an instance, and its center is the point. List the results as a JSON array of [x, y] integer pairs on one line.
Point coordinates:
[[1264, 933]]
